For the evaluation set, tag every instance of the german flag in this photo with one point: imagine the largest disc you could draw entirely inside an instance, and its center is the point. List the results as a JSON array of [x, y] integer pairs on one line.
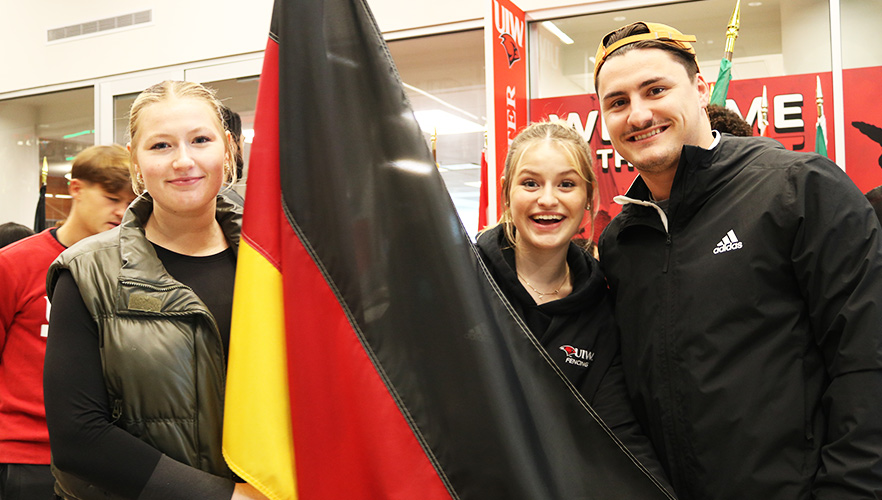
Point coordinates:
[[371, 355]]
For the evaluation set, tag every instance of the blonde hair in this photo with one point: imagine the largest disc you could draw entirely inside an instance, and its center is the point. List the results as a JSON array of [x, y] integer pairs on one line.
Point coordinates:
[[573, 145], [171, 89]]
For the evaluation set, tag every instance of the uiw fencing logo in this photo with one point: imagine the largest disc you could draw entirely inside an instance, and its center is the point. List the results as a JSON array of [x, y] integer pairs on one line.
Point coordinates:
[[578, 357]]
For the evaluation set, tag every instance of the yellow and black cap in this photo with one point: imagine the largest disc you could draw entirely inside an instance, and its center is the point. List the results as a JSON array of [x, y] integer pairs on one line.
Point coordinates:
[[659, 32]]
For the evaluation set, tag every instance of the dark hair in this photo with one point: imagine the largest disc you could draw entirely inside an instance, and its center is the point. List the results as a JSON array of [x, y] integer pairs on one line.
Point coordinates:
[[875, 197], [11, 232], [725, 120], [683, 56], [233, 124], [107, 166]]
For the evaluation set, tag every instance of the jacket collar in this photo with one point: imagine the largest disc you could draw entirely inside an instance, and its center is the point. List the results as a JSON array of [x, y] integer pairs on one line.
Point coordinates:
[[589, 285], [143, 279], [700, 174]]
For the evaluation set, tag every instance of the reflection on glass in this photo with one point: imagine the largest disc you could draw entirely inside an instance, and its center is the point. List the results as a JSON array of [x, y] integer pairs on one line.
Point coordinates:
[[446, 90], [50, 128]]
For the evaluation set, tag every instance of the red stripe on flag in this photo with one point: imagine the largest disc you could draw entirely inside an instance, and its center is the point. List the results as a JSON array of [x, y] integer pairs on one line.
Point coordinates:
[[262, 220], [484, 195], [351, 440]]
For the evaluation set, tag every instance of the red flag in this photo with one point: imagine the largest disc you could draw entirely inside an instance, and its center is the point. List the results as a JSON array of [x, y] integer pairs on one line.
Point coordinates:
[[371, 356], [483, 202]]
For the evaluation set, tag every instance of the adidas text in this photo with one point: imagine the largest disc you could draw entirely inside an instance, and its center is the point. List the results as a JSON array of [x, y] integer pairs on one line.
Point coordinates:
[[729, 246], [729, 242]]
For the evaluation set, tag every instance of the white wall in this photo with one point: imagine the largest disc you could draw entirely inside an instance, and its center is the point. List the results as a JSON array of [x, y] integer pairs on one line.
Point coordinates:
[[805, 36], [182, 31]]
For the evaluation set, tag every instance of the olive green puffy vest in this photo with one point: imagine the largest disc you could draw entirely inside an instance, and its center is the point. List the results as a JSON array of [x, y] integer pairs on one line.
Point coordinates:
[[162, 355]]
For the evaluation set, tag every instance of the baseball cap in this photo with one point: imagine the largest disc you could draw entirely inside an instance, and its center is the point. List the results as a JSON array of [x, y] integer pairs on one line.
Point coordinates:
[[659, 32]]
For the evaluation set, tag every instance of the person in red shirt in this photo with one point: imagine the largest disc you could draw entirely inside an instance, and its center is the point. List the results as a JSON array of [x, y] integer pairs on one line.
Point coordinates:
[[101, 190]]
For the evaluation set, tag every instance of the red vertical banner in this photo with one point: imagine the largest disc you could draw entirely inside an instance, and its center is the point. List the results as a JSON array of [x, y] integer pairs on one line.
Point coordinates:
[[505, 49]]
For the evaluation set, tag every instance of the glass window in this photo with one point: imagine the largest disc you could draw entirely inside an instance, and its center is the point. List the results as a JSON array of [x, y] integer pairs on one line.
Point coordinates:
[[122, 104], [776, 38], [47, 128], [444, 76], [240, 95], [862, 72], [860, 20]]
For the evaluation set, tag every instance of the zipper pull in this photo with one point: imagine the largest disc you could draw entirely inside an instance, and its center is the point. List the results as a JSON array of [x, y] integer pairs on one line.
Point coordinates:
[[667, 252], [117, 410]]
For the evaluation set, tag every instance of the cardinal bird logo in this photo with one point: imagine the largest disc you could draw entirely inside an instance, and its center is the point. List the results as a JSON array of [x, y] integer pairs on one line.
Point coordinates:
[[871, 131], [511, 48]]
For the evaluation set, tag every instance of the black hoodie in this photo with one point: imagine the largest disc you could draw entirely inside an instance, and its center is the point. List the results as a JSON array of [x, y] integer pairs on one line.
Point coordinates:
[[579, 333]]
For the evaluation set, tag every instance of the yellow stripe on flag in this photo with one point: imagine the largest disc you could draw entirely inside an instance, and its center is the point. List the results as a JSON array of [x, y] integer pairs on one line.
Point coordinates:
[[257, 440]]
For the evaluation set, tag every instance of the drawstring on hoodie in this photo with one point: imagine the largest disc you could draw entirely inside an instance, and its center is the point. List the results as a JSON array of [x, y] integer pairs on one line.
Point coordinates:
[[623, 200]]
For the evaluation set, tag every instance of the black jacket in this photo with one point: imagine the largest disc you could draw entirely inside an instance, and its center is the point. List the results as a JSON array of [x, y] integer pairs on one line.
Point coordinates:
[[751, 324], [579, 333]]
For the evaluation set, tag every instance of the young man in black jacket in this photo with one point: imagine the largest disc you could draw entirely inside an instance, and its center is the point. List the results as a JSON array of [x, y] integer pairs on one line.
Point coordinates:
[[747, 282]]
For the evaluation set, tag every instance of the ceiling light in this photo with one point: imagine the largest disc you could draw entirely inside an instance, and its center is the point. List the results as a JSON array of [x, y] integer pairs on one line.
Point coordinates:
[[550, 26], [436, 121], [754, 4], [441, 101], [248, 134], [619, 18], [77, 134]]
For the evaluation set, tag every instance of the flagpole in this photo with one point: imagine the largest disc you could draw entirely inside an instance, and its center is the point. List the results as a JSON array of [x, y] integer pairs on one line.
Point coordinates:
[[764, 114], [721, 87], [821, 133], [40, 214], [732, 31], [435, 147]]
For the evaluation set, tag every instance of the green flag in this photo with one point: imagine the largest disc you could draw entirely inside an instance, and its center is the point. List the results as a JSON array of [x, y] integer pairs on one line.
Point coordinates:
[[820, 139], [721, 88]]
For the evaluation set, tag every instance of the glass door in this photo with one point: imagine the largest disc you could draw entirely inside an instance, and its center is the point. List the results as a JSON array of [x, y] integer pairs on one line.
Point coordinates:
[[114, 98]]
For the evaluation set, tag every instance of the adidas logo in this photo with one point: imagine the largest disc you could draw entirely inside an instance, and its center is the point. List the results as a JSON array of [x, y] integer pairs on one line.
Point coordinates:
[[729, 242]]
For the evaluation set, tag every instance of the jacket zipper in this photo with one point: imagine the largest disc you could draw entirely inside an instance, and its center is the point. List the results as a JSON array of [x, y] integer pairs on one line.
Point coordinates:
[[667, 252], [117, 410], [150, 286]]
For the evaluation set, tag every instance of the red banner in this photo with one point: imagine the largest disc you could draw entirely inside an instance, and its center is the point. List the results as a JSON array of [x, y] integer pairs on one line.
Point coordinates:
[[863, 126], [506, 60], [792, 115]]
